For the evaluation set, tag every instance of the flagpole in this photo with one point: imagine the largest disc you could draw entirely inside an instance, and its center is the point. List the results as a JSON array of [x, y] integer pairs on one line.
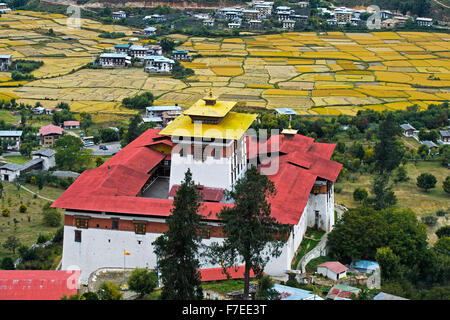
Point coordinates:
[[124, 267]]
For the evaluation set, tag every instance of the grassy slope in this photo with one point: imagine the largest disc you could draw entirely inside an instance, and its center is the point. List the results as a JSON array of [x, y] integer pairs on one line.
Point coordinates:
[[26, 231]]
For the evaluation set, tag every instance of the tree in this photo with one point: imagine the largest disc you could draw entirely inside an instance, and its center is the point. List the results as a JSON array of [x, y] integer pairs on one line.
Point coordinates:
[[178, 248], [133, 130], [7, 264], [70, 154], [86, 121], [389, 263], [108, 290], [252, 234], [443, 232], [12, 243], [426, 181], [167, 44], [445, 184], [443, 245], [52, 218], [25, 149], [401, 175], [142, 281], [265, 289], [388, 151], [384, 196], [360, 194]]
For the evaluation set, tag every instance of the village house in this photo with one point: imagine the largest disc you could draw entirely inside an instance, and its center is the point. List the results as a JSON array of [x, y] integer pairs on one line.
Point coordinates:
[[385, 14], [444, 136], [255, 24], [283, 15], [122, 48], [5, 62], [343, 15], [161, 114], [408, 130], [333, 270], [124, 203], [48, 157], [38, 110], [4, 8], [365, 266], [156, 18], [301, 19], [11, 171], [137, 51], [71, 125], [251, 14], [288, 24], [303, 4], [154, 50], [234, 25], [264, 7], [49, 134], [424, 22], [149, 31], [387, 296], [208, 23], [114, 60], [433, 148], [12, 138], [291, 293], [119, 15], [158, 64], [181, 55]]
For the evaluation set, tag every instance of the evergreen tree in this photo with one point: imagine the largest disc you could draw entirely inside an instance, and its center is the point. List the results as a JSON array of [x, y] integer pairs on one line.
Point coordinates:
[[388, 151], [426, 181], [177, 249], [265, 289], [446, 184], [384, 196], [133, 130], [252, 234]]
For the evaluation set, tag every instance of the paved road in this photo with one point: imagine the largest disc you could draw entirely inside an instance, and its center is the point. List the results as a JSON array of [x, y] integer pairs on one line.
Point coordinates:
[[113, 147]]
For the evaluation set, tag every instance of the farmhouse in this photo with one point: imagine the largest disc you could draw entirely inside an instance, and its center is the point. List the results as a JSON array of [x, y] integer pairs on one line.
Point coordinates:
[[332, 269], [5, 62], [114, 60], [288, 24], [365, 266], [12, 138], [181, 55], [158, 64], [157, 111], [150, 31], [234, 25], [124, 203], [71, 125], [48, 157], [254, 24], [154, 50], [10, 171], [424, 22], [444, 136], [122, 48], [251, 14], [119, 15], [408, 130], [137, 51], [49, 134], [208, 23], [342, 292], [4, 8]]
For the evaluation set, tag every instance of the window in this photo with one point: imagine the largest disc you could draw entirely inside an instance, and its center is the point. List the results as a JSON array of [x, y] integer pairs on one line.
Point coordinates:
[[82, 222], [140, 227], [205, 233], [115, 224], [77, 235]]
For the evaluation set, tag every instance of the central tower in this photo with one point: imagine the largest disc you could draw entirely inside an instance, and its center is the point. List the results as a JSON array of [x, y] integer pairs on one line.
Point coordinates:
[[209, 140]]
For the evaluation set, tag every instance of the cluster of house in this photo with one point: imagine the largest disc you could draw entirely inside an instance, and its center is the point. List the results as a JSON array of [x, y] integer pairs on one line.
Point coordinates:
[[161, 115], [444, 137], [259, 11], [389, 19], [150, 56]]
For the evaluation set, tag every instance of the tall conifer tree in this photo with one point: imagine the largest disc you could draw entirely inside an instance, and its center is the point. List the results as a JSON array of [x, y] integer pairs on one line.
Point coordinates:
[[178, 248]]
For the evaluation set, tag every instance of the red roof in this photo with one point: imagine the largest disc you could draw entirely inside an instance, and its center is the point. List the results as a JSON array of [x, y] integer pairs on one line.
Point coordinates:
[[118, 181], [50, 129], [214, 274], [334, 266], [208, 194], [37, 284], [71, 123]]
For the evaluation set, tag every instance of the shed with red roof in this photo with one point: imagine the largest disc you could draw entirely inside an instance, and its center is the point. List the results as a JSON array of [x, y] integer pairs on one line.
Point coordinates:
[[332, 269]]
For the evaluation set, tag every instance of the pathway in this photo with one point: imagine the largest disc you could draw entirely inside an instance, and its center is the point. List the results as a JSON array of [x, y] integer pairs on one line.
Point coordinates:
[[39, 196]]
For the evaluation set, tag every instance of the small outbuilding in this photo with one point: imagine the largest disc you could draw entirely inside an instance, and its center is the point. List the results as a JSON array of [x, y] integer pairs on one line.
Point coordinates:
[[365, 266], [333, 270]]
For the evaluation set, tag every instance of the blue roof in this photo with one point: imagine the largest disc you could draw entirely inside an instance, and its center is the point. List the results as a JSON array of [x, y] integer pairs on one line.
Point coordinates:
[[365, 264], [290, 293], [387, 296], [285, 111]]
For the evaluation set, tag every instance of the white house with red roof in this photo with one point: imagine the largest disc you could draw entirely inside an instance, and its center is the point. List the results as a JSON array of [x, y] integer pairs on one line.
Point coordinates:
[[71, 125], [48, 134], [124, 203], [332, 269]]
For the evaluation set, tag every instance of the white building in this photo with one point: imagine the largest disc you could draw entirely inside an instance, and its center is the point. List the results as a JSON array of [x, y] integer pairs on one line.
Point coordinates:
[[12, 137], [4, 8], [5, 62], [424, 22], [119, 15], [150, 31], [120, 205], [48, 157], [154, 50], [288, 24], [208, 23], [234, 25], [137, 51], [158, 64], [333, 270], [114, 60]]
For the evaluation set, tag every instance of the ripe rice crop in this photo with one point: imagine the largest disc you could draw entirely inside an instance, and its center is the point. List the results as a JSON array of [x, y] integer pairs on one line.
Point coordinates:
[[282, 92], [227, 70]]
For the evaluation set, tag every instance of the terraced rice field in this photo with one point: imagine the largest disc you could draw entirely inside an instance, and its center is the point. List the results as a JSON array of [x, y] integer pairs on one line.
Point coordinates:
[[327, 74]]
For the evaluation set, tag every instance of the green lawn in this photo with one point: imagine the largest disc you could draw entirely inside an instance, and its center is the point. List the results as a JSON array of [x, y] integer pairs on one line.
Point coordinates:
[[307, 244], [224, 286], [9, 117], [17, 159], [311, 267], [26, 231]]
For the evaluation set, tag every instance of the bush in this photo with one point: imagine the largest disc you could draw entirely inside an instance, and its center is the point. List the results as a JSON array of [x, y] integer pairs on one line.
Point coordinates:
[[41, 239], [429, 220], [108, 290], [441, 213], [443, 232], [337, 189], [7, 264], [23, 208], [6, 212], [426, 181], [360, 194], [142, 281], [52, 218]]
